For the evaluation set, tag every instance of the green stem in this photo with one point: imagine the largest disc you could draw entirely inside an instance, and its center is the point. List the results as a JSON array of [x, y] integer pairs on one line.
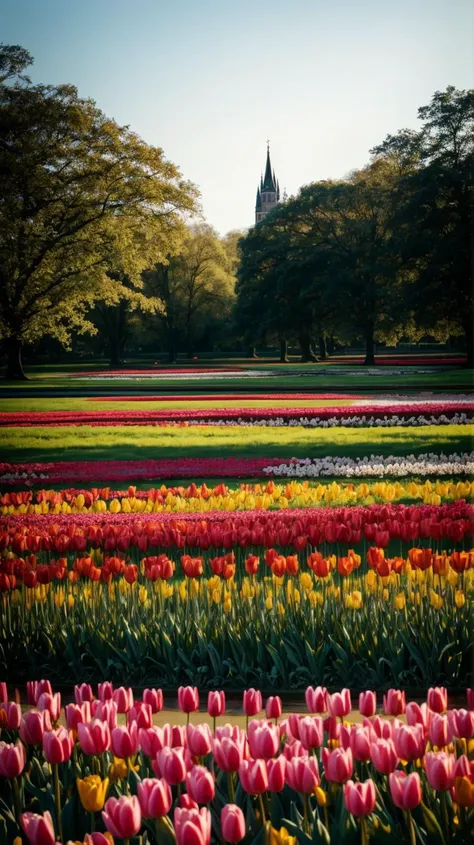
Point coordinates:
[[364, 833], [230, 788], [262, 809], [57, 796], [16, 797], [92, 822], [411, 828], [444, 813], [306, 812]]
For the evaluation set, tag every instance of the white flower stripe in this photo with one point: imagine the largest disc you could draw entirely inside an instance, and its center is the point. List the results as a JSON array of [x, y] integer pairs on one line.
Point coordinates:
[[376, 465]]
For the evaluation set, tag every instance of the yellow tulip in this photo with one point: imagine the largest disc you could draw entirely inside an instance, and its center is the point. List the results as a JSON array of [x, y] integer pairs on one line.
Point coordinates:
[[459, 598], [399, 601], [142, 595], [436, 600], [92, 791], [281, 837], [269, 603]]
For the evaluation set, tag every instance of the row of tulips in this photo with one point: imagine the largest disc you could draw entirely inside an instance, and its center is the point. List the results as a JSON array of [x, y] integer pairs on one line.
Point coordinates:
[[202, 498], [430, 413], [299, 529], [30, 571], [303, 778]]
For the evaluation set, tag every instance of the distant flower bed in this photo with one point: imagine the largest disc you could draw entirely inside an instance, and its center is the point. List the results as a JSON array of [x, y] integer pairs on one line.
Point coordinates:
[[375, 465], [231, 397]]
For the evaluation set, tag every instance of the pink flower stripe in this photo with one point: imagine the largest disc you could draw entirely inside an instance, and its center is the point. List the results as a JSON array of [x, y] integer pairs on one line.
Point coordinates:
[[300, 528], [113, 418], [229, 397]]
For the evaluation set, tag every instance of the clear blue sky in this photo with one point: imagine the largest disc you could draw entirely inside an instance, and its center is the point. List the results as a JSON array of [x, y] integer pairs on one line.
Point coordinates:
[[209, 80]]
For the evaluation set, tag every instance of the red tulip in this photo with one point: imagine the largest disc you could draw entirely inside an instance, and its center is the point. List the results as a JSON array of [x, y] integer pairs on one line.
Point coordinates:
[[419, 715], [33, 725], [440, 732], [76, 713], [178, 736], [39, 830], [122, 816], [57, 745], [359, 742], [123, 698], [51, 703], [302, 774], [359, 798], [94, 737], [276, 771], [437, 699], [200, 784], [316, 699], [384, 756], [410, 742], [253, 776], [339, 704], [82, 693], [338, 764], [394, 702], [383, 728], [252, 702], [263, 739], [470, 699], [216, 703], [367, 703], [462, 723], [125, 741], [232, 824], [153, 697], [155, 798], [192, 827], [293, 725], [405, 790], [440, 770], [228, 753], [188, 699], [199, 739], [273, 707], [106, 711], [154, 739], [105, 691], [141, 714], [4, 692], [12, 759], [170, 765]]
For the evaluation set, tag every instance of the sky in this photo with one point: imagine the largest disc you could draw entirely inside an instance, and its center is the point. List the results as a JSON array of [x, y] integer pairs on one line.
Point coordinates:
[[209, 81]]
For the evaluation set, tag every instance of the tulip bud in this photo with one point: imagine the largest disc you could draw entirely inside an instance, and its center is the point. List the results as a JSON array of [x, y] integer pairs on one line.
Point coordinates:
[[122, 816], [51, 703], [94, 737], [188, 699], [394, 702], [367, 703], [359, 798], [155, 798], [57, 746], [200, 784], [437, 699], [199, 740], [253, 776], [311, 732], [153, 697], [252, 702], [12, 759], [462, 723], [216, 703], [276, 772], [232, 824], [123, 698], [154, 739], [82, 693], [339, 704], [12, 717], [125, 741], [384, 756], [440, 770], [440, 731], [338, 764], [316, 699], [33, 725], [170, 765], [39, 830], [105, 691], [263, 739], [141, 714], [192, 826], [273, 707], [405, 790], [76, 713], [302, 774]]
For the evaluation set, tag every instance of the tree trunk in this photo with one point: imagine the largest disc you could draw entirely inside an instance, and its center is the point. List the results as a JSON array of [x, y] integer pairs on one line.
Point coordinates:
[[14, 370], [323, 353], [330, 345], [307, 353], [283, 351], [369, 347]]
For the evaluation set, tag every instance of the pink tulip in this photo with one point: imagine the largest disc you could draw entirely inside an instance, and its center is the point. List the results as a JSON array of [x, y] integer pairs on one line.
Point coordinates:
[[199, 739], [188, 699], [105, 691], [12, 759], [94, 839], [122, 816], [359, 798], [141, 714], [382, 727], [462, 767], [39, 830], [302, 774], [178, 736], [155, 798], [51, 703], [263, 739], [294, 749], [12, 717], [384, 757], [417, 714], [332, 727], [273, 707], [339, 704], [405, 790], [252, 702], [293, 722], [410, 742], [228, 753], [35, 688], [470, 699], [316, 699], [82, 693], [231, 732], [367, 703], [33, 725], [216, 703], [437, 699], [125, 741], [192, 827], [394, 702], [153, 697], [232, 824], [440, 732], [338, 764], [187, 803], [440, 770], [170, 765], [106, 711], [123, 698], [154, 739], [276, 771], [76, 713], [253, 776], [311, 732], [462, 723], [359, 743], [57, 745], [200, 784], [4, 692], [94, 737]]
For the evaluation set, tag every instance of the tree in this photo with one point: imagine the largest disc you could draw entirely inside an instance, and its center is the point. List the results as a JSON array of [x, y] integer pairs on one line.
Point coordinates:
[[191, 285], [434, 217], [84, 203]]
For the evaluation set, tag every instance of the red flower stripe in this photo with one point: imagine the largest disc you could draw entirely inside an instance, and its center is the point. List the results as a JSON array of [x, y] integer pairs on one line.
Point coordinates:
[[58, 418], [229, 397]]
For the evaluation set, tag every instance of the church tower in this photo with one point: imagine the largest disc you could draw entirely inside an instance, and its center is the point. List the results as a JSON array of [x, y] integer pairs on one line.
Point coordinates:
[[268, 192]]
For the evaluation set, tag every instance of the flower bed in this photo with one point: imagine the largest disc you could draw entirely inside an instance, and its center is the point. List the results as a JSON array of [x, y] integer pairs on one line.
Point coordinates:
[[376, 465], [315, 777], [232, 397]]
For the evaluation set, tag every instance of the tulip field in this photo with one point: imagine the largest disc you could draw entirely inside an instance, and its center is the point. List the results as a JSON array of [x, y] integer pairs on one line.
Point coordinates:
[[264, 547]]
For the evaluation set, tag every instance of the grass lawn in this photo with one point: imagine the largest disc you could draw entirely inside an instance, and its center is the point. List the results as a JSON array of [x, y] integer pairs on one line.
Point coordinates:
[[88, 404], [44, 444]]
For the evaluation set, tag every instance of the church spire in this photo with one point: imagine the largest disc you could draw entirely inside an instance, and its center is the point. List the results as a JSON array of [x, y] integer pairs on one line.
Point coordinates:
[[268, 193], [268, 179]]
